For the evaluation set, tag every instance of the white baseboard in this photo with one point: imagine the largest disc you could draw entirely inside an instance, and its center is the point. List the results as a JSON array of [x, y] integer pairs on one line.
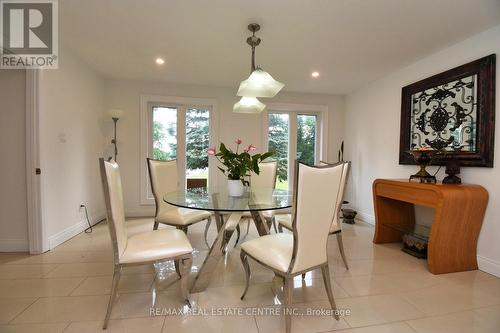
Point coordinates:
[[74, 230], [368, 218], [488, 265], [14, 245]]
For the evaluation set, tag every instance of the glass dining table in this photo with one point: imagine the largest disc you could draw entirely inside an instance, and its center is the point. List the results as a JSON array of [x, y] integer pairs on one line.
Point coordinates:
[[228, 211]]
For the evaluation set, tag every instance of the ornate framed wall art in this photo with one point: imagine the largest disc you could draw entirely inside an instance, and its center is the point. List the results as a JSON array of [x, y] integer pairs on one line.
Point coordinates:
[[452, 111]]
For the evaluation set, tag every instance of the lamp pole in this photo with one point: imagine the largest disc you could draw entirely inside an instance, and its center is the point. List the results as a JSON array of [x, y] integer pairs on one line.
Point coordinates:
[[113, 141], [115, 114]]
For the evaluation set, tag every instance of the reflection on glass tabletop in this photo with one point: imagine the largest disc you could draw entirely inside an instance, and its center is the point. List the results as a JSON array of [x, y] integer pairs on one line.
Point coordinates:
[[257, 199]]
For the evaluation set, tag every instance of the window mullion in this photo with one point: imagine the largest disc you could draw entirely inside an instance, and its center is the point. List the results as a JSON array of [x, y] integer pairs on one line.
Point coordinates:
[[317, 136], [292, 147], [181, 146]]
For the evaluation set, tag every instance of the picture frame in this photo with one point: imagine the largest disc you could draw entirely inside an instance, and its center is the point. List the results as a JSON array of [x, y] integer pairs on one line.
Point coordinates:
[[453, 111]]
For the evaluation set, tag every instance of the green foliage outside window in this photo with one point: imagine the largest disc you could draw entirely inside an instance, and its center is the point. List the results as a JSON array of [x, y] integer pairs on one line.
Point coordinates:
[[306, 138], [159, 134], [278, 143], [197, 139]]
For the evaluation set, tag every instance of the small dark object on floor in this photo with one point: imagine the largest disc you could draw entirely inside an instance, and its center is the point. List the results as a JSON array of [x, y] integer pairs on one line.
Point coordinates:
[[414, 246], [349, 215], [452, 170]]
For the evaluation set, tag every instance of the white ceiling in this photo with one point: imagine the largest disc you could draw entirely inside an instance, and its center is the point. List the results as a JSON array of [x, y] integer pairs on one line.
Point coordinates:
[[350, 42]]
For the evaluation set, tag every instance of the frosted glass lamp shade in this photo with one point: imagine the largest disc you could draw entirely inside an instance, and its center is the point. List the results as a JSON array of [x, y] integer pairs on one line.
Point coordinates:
[[259, 84], [115, 113], [249, 105]]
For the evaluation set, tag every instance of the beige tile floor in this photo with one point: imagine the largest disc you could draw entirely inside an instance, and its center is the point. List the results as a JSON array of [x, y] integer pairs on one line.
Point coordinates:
[[67, 289]]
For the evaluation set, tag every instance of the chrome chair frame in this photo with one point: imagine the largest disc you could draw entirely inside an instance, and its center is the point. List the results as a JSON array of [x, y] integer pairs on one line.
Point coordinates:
[[183, 262], [289, 275]]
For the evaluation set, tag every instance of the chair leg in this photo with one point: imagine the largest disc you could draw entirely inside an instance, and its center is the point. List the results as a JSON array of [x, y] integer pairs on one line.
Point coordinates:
[[328, 286], [248, 229], [155, 225], [205, 234], [280, 228], [116, 278], [341, 248], [244, 261], [274, 225], [185, 269], [178, 268], [287, 306], [238, 234]]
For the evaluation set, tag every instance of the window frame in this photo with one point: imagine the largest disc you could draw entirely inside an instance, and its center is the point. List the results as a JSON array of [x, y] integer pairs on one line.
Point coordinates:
[[293, 110], [146, 120]]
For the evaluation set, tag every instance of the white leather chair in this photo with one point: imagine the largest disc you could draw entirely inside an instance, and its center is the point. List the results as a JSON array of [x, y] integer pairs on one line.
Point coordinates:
[[163, 177], [291, 254], [266, 178], [285, 220], [148, 247]]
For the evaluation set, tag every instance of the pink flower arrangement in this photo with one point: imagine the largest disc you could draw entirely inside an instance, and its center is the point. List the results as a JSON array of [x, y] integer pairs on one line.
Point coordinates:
[[250, 148], [238, 165]]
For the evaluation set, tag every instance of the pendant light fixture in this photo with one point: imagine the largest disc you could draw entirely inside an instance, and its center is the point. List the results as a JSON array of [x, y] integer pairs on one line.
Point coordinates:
[[249, 105], [259, 83]]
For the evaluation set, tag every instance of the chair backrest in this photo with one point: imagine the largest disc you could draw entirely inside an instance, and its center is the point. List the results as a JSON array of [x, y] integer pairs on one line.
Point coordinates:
[[163, 177], [113, 196], [267, 175], [315, 189], [336, 226]]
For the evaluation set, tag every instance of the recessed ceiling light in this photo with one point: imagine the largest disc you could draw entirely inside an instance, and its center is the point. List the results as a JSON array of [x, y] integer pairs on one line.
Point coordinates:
[[315, 74], [159, 61]]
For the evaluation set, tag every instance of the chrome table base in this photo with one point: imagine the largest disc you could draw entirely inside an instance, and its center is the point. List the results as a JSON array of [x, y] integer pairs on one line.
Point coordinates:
[[218, 248]]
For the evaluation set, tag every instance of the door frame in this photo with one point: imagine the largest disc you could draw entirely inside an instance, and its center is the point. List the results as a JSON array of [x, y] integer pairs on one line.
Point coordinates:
[[38, 242]]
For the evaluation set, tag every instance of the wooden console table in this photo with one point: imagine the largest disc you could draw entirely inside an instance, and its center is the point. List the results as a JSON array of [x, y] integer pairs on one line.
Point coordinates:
[[459, 212]]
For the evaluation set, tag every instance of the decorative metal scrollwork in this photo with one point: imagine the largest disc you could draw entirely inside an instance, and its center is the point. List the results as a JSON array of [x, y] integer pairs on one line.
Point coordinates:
[[445, 116]]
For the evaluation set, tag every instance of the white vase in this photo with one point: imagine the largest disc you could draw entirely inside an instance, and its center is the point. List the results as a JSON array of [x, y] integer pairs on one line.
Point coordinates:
[[235, 188]]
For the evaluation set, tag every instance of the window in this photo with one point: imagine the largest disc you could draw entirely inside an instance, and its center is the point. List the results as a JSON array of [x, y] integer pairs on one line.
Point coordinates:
[[306, 138], [195, 134], [278, 143], [164, 137], [176, 128], [295, 133], [197, 143]]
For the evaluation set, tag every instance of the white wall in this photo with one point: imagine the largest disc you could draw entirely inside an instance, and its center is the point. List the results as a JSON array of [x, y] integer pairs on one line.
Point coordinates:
[[71, 141], [13, 207], [125, 95], [372, 137]]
